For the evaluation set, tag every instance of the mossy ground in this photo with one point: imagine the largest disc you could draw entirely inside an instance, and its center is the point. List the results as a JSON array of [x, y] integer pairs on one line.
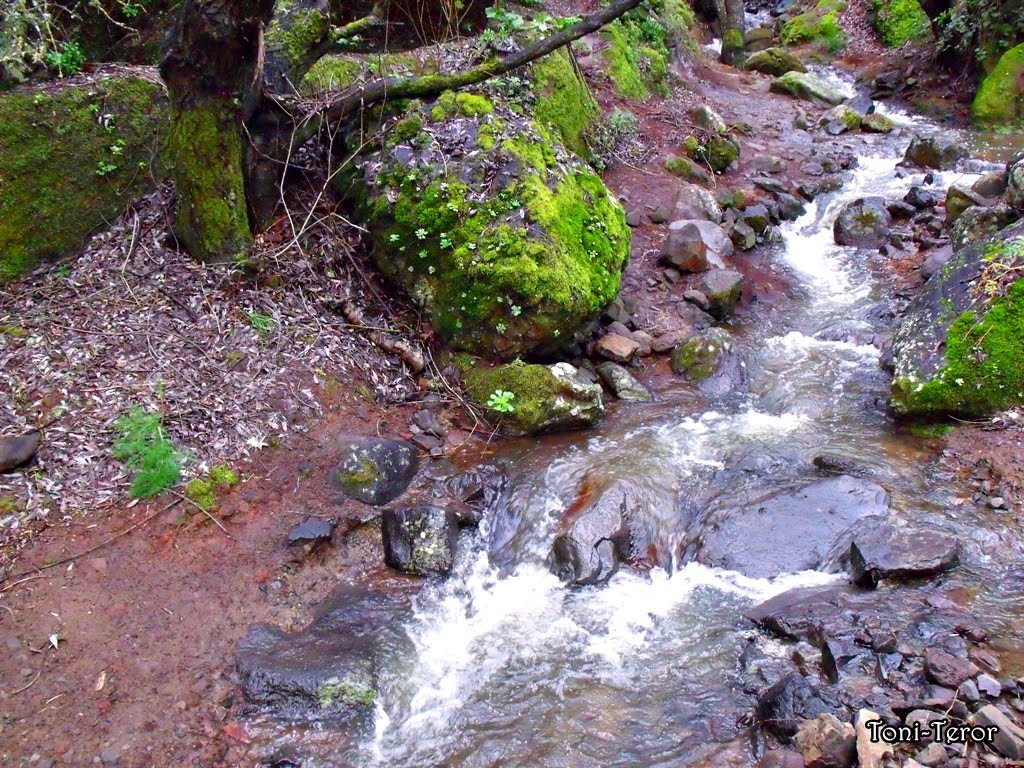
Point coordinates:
[[70, 161], [1000, 99], [901, 21], [984, 370]]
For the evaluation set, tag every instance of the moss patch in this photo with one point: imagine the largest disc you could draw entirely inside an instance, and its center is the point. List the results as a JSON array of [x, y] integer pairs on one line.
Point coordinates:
[[901, 21], [819, 25], [563, 101], [637, 57], [349, 692], [70, 160], [1000, 100]]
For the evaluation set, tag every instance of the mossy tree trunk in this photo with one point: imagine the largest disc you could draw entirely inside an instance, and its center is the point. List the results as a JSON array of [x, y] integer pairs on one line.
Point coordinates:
[[211, 65]]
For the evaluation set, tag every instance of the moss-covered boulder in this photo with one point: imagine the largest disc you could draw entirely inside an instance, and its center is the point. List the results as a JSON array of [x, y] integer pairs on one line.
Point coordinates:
[[819, 25], [507, 241], [72, 155], [710, 360], [807, 87], [959, 347], [714, 150], [775, 62], [531, 399], [901, 21], [374, 471], [563, 101], [1000, 99], [876, 122]]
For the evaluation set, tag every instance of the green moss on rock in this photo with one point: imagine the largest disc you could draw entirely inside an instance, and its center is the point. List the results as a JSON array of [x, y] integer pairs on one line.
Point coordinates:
[[332, 73], [564, 101], [901, 21], [820, 25], [1000, 100], [71, 158], [502, 268]]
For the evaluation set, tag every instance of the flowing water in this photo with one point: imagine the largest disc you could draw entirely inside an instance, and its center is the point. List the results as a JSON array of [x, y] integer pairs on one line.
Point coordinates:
[[510, 668]]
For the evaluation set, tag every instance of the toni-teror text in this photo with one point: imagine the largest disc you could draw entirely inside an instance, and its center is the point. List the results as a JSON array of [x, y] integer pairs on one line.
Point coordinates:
[[942, 731]]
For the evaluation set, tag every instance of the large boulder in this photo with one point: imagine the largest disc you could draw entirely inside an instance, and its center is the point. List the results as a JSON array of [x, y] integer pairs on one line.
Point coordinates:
[[696, 246], [1000, 99], [977, 223], [374, 471], [807, 87], [790, 531], [420, 540], [72, 155], [959, 345], [901, 21], [507, 241], [884, 552], [775, 62], [710, 360], [934, 152], [544, 398], [863, 223]]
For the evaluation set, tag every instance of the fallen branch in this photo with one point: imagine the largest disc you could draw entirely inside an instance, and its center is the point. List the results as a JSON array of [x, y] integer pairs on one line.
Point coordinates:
[[382, 89], [406, 352]]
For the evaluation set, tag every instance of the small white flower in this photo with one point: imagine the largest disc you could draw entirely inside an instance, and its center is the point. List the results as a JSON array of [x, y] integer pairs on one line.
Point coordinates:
[[959, 382]]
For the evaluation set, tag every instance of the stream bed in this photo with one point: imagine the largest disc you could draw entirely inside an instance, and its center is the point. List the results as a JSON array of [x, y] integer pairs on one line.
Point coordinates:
[[502, 665]]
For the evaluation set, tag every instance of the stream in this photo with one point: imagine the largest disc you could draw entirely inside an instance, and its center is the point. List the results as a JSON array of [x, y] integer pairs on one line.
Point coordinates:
[[507, 667]]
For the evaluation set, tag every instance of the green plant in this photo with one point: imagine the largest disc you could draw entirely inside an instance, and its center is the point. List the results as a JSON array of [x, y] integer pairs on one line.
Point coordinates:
[[67, 59], [154, 460], [501, 401], [264, 325]]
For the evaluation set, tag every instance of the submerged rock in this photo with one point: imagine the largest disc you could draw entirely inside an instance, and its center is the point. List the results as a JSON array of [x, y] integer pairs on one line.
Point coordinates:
[[959, 346], [808, 87], [932, 152], [775, 62], [883, 552], [863, 223], [787, 704], [373, 470], [593, 540], [420, 540], [790, 531], [545, 398], [507, 241]]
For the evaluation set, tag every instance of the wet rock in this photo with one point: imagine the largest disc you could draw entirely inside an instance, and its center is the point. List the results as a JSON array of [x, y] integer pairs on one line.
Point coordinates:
[[900, 210], [790, 531], [1009, 739], [427, 422], [936, 259], [783, 707], [697, 203], [884, 552], [16, 451], [757, 217], [862, 104], [774, 61], [944, 669], [781, 758], [758, 38], [840, 119], [616, 312], [976, 224], [623, 383], [546, 398], [960, 197], [863, 223], [790, 209], [723, 288], [811, 190], [593, 540], [876, 122], [743, 236], [420, 541], [768, 164], [827, 742], [991, 184], [922, 198], [937, 370], [697, 298], [808, 87], [710, 360], [934, 152], [834, 464], [1015, 184], [696, 246], [328, 669], [887, 84], [870, 754], [619, 349], [311, 531], [373, 470]]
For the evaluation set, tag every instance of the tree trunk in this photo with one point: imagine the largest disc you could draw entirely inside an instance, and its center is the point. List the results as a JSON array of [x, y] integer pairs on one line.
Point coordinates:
[[211, 65], [732, 18]]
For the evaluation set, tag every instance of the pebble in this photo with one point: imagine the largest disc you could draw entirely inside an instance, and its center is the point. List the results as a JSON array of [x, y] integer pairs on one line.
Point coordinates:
[[996, 502]]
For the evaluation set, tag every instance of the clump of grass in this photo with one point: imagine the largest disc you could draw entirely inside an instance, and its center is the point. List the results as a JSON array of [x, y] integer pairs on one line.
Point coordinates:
[[203, 492], [154, 460]]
